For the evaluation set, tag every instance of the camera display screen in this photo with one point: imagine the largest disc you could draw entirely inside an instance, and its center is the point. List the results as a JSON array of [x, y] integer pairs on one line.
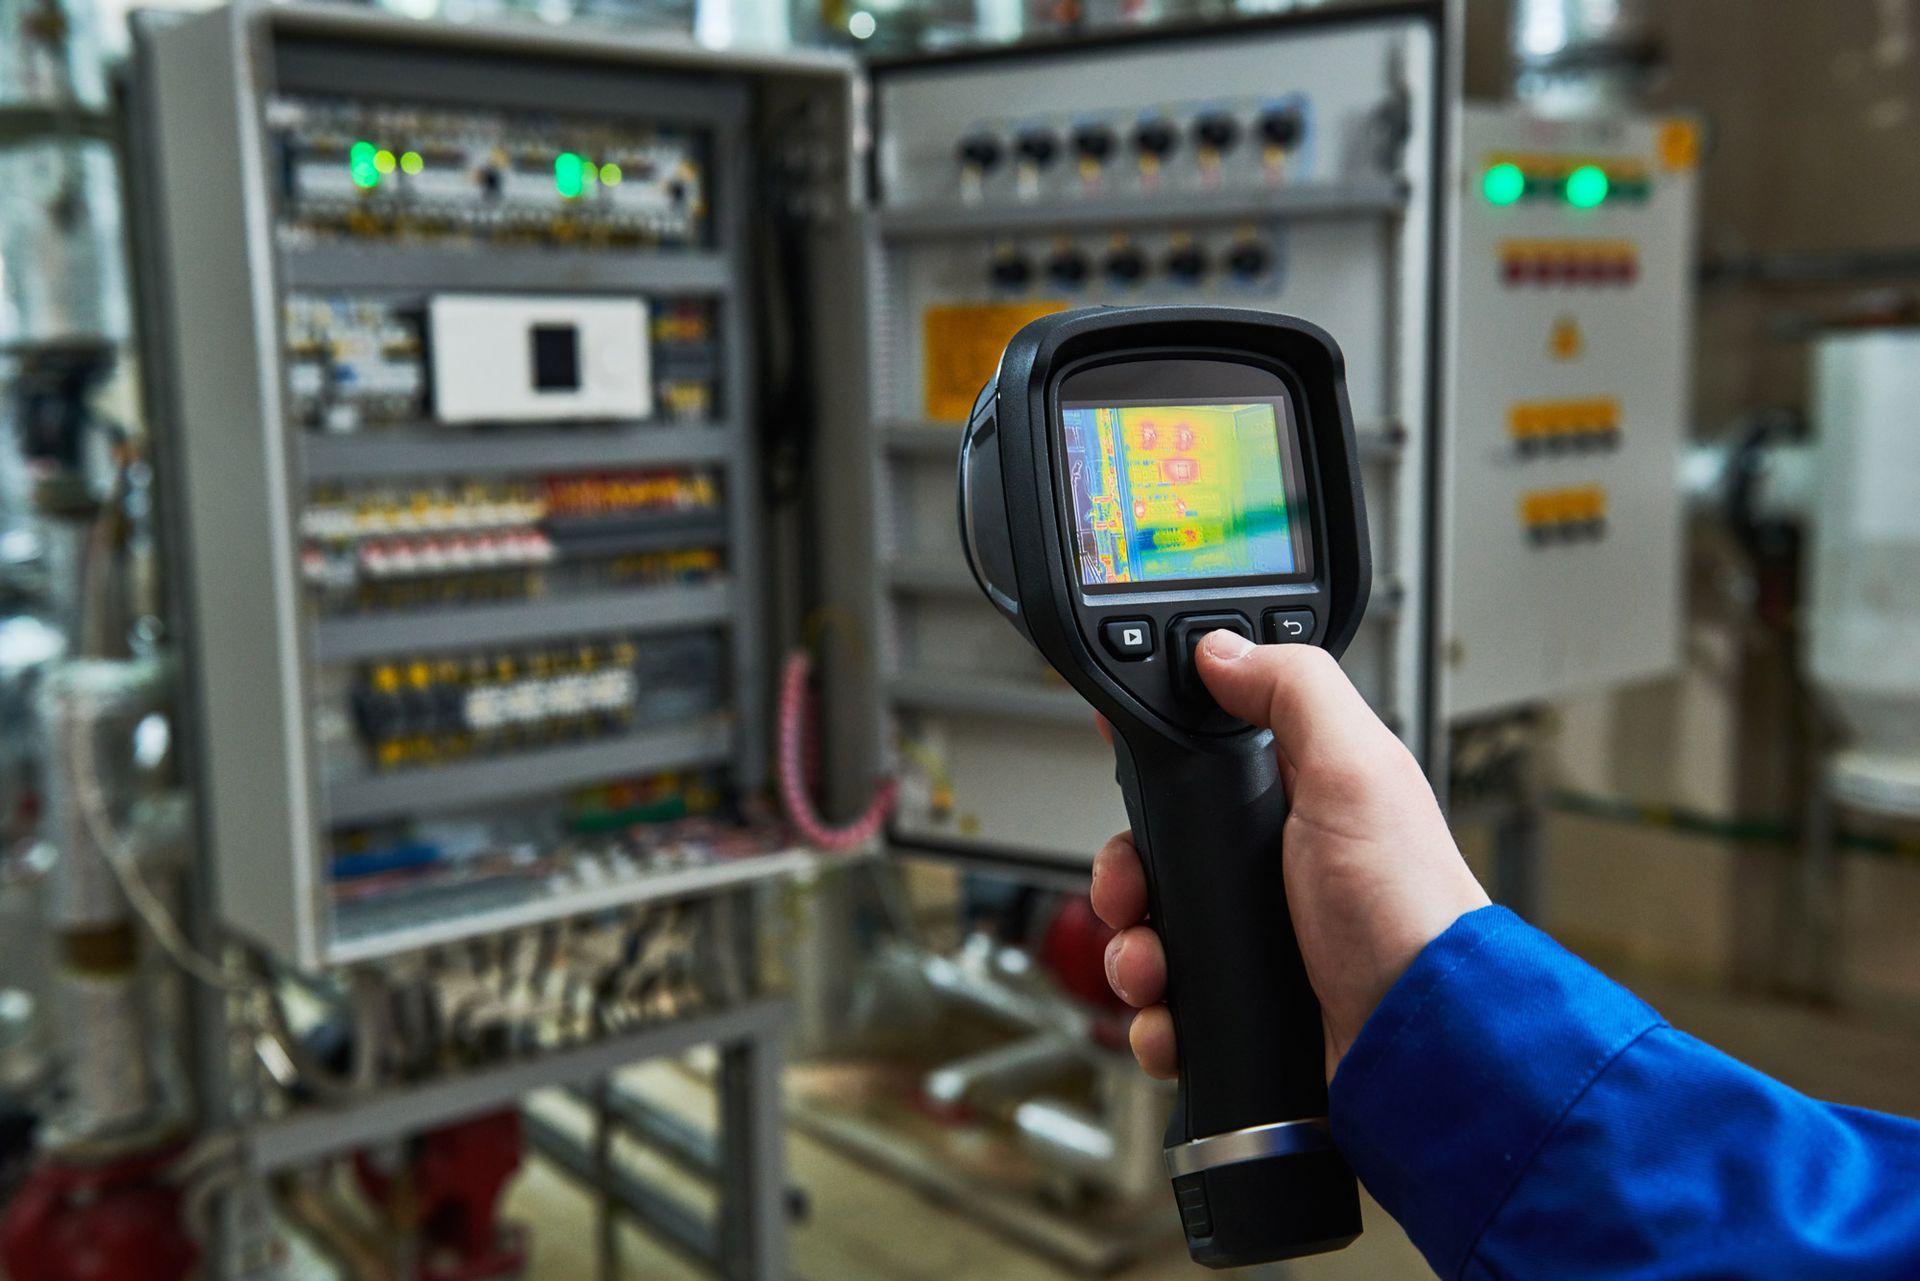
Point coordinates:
[[1195, 491]]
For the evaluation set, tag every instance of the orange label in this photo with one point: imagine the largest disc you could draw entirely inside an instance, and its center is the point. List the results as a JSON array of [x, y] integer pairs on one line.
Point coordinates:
[[1564, 341], [1679, 144], [961, 347]]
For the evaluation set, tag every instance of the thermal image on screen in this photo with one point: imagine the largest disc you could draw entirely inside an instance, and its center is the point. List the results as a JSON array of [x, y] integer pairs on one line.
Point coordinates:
[[1166, 492]]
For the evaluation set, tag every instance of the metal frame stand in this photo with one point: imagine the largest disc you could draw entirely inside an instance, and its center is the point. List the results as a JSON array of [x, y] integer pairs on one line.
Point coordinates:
[[753, 1215], [748, 1244], [1813, 913]]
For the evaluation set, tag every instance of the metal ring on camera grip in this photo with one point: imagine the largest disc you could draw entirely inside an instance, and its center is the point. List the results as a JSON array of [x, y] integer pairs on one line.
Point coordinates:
[[1255, 1143]]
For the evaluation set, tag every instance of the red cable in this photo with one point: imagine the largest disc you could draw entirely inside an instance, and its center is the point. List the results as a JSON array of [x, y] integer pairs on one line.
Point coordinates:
[[797, 748]]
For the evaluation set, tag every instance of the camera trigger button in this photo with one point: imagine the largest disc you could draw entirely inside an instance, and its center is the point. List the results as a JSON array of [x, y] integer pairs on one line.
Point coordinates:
[[1188, 632]]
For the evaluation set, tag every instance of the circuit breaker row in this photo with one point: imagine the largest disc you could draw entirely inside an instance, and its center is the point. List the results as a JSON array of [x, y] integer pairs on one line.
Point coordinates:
[[356, 362], [386, 872], [378, 547], [441, 708], [355, 169]]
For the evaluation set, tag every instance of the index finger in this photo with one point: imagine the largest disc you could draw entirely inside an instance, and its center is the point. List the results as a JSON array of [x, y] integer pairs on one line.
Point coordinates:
[[1119, 890]]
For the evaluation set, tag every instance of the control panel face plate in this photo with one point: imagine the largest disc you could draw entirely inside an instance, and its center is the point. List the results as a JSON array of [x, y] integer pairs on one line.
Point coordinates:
[[1274, 193], [1568, 407]]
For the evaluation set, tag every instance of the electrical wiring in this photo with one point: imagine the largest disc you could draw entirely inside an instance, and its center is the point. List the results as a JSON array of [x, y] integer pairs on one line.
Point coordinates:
[[796, 749], [117, 850], [122, 858]]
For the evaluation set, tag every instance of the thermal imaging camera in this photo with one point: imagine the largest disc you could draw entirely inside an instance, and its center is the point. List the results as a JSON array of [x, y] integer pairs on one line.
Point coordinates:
[[1132, 479]]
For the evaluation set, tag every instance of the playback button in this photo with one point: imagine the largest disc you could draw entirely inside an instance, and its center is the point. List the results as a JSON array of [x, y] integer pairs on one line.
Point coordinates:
[[1130, 639]]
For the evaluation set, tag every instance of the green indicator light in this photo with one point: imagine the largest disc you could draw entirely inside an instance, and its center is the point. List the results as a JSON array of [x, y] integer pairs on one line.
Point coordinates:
[[1586, 186], [360, 165], [569, 174], [610, 174], [1504, 184], [410, 162], [385, 161]]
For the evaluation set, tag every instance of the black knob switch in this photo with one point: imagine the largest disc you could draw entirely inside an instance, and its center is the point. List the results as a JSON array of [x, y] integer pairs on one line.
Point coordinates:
[[980, 151], [1010, 269], [1248, 259], [1283, 127], [1154, 138], [1037, 147], [1187, 263], [1093, 142], [1125, 265], [1216, 130], [1068, 267]]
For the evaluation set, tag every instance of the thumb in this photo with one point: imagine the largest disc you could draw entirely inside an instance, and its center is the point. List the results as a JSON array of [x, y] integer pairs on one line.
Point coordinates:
[[1299, 692]]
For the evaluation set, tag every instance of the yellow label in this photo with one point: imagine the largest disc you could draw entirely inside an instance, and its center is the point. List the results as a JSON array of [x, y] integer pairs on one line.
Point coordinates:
[[1679, 145], [1578, 505], [962, 346]]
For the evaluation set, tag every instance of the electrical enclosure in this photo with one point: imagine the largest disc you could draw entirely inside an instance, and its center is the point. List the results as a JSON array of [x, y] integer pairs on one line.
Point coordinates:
[[1567, 325], [453, 344], [1290, 165]]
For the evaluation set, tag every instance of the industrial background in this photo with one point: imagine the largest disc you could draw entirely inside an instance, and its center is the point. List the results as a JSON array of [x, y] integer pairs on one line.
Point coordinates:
[[504, 771]]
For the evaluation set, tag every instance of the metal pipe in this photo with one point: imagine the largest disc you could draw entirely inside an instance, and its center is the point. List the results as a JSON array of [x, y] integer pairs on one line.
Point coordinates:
[[1583, 57], [112, 1079], [1015, 1066], [1116, 1149], [80, 698], [1063, 1135], [976, 979]]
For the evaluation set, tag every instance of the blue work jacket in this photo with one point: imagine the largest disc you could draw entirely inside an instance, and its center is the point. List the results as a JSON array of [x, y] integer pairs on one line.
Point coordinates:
[[1527, 1119]]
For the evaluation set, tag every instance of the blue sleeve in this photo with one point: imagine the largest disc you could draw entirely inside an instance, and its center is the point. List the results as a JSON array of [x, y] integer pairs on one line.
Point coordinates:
[[1522, 1116]]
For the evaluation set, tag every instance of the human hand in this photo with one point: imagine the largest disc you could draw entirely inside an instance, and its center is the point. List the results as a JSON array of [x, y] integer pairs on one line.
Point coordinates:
[[1372, 873]]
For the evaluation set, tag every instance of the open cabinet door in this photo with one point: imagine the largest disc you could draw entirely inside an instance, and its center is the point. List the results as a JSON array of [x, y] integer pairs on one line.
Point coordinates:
[[1289, 164]]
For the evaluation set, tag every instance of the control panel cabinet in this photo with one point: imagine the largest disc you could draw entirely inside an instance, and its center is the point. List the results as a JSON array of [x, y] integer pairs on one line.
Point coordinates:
[[1568, 348], [1287, 164], [453, 333]]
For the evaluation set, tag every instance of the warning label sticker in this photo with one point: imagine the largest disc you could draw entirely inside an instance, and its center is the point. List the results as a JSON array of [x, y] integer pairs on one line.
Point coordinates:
[[961, 346]]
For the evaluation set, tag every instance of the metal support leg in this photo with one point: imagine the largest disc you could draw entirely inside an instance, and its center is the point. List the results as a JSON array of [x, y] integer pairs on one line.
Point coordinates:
[[753, 1219], [1813, 947], [606, 1207]]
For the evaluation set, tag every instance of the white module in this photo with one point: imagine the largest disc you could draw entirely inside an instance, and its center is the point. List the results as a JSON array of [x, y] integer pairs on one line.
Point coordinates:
[[1567, 403], [513, 358], [1864, 624]]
